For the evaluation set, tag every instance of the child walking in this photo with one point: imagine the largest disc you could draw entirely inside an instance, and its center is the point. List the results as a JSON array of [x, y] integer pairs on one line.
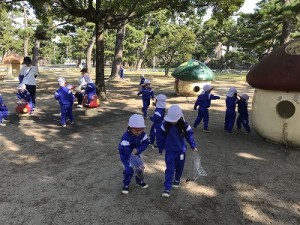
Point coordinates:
[[230, 114], [65, 98], [157, 118], [170, 138], [142, 80], [147, 94], [204, 101], [3, 112], [243, 117], [24, 95], [134, 141]]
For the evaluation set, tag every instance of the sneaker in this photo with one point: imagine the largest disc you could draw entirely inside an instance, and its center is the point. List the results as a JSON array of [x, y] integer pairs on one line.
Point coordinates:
[[153, 146], [5, 120], [125, 190], [79, 106], [166, 194], [2, 124], [146, 117], [63, 125], [142, 184], [72, 122], [176, 184], [206, 130]]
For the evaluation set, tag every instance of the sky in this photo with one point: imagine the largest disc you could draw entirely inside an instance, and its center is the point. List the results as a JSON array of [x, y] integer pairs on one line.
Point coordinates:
[[249, 6]]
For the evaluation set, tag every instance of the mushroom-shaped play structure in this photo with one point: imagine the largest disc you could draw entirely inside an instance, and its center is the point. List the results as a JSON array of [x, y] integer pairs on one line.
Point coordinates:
[[276, 101], [13, 62], [190, 77]]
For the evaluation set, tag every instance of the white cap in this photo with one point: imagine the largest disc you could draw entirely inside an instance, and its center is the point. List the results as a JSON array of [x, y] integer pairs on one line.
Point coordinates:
[[161, 101], [244, 96], [61, 81], [21, 87], [207, 87], [146, 81], [136, 121], [231, 92], [174, 114]]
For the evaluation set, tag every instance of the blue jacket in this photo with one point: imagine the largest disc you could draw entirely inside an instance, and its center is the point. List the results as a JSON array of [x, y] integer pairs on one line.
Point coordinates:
[[174, 140], [158, 117], [230, 104], [147, 93], [24, 95], [242, 107], [2, 105], [130, 141], [142, 81], [204, 100], [64, 96]]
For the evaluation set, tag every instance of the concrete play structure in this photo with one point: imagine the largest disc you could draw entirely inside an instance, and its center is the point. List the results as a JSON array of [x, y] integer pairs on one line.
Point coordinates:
[[276, 100], [190, 77], [10, 67]]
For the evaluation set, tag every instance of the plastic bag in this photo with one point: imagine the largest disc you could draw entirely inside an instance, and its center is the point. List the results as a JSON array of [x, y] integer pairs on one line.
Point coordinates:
[[196, 170], [137, 164]]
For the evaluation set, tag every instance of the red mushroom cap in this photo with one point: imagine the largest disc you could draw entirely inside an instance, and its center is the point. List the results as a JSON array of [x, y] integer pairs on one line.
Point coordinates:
[[280, 70]]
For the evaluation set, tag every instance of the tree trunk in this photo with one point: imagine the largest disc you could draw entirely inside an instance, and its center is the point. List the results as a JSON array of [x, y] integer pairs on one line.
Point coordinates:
[[26, 46], [26, 39], [100, 82], [35, 51], [89, 52], [286, 27], [144, 46], [118, 51], [167, 70]]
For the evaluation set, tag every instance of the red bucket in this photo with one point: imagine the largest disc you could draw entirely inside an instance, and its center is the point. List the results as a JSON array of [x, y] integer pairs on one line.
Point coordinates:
[[95, 102], [23, 108]]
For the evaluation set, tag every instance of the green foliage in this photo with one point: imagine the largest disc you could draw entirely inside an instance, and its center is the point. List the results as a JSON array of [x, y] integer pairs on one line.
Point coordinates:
[[10, 40], [132, 44], [173, 45]]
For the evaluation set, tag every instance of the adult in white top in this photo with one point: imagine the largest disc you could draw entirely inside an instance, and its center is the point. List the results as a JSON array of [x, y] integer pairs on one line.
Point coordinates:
[[79, 91], [28, 75]]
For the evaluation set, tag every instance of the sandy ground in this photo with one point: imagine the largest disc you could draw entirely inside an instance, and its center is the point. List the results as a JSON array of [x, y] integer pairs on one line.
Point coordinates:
[[73, 175]]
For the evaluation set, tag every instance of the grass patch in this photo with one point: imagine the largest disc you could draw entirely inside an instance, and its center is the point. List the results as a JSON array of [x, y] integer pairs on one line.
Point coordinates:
[[75, 72], [230, 76]]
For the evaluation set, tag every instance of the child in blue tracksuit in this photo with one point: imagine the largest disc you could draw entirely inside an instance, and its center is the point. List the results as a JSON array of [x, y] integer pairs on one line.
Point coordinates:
[[147, 94], [3, 112], [122, 72], [90, 89], [134, 141], [142, 77], [66, 99], [24, 95], [230, 114], [157, 118], [204, 101], [170, 138], [243, 117]]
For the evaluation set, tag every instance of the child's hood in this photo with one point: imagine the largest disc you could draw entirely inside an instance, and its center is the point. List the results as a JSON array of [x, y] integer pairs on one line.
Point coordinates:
[[161, 101], [231, 92]]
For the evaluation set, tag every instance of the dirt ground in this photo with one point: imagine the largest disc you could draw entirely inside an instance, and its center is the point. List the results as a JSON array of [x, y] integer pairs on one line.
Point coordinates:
[[54, 176]]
